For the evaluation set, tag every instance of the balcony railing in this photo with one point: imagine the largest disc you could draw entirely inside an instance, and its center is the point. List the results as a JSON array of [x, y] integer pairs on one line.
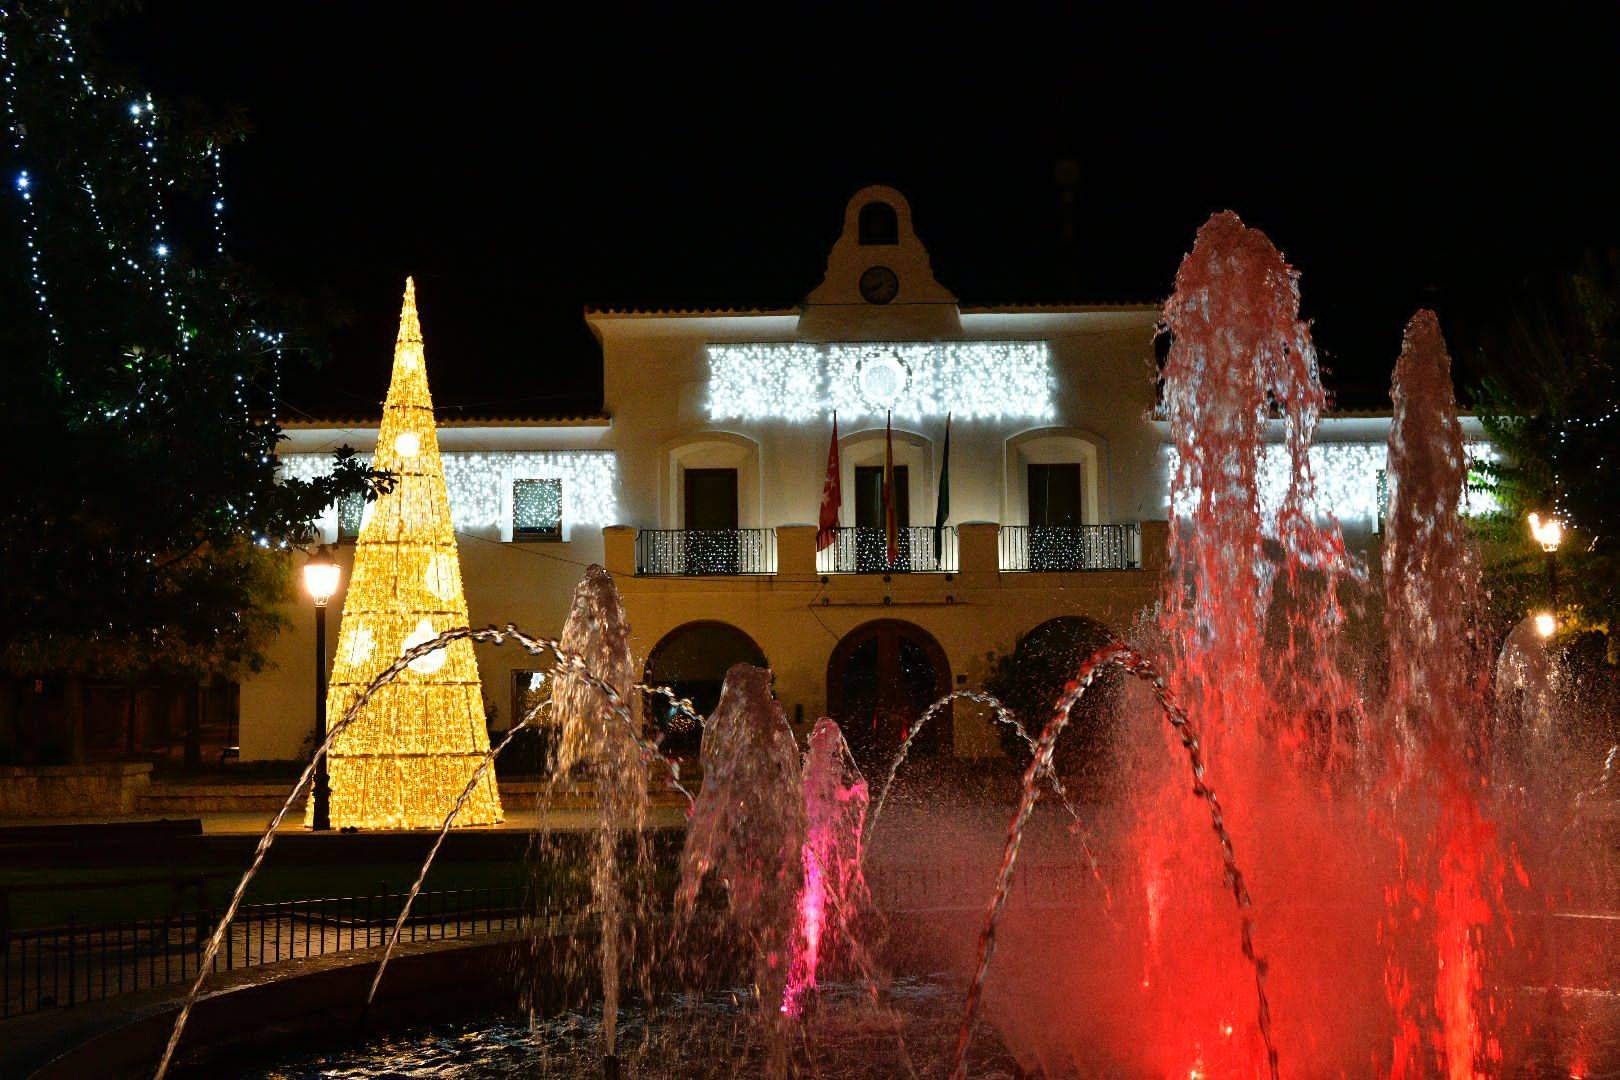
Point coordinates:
[[864, 550], [705, 552], [1070, 547]]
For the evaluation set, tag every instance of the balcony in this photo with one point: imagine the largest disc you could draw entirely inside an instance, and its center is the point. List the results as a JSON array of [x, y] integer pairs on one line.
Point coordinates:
[[705, 552], [1070, 548], [864, 550], [972, 549]]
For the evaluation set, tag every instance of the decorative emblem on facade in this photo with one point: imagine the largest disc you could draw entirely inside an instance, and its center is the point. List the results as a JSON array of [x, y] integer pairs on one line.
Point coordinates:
[[883, 377]]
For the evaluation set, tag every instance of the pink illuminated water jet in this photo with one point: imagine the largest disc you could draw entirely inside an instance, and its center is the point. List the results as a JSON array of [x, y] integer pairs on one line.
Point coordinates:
[[834, 890]]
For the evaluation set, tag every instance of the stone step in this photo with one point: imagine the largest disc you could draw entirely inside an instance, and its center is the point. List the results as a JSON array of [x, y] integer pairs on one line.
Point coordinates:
[[180, 798]]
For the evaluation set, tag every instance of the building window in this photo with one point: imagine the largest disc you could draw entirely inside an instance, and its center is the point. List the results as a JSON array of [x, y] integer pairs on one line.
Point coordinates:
[[537, 510], [351, 512], [878, 224]]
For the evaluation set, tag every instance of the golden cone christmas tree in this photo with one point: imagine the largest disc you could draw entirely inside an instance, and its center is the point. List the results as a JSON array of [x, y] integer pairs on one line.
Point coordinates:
[[411, 750]]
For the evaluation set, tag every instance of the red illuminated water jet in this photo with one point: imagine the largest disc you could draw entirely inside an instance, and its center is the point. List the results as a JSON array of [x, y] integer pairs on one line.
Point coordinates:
[[1450, 887]]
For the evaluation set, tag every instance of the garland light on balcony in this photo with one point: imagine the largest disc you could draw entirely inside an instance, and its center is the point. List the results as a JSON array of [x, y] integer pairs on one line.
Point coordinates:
[[972, 380], [412, 749]]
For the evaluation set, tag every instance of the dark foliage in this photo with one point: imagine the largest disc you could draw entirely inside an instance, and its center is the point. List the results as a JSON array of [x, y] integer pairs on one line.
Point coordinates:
[[1550, 401], [142, 528], [1029, 681]]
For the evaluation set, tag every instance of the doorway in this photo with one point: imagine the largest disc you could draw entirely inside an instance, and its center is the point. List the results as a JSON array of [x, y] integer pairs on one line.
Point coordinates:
[[1054, 516], [709, 502], [880, 679], [871, 531]]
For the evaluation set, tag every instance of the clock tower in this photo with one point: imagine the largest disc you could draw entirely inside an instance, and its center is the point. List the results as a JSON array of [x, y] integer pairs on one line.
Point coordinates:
[[879, 282]]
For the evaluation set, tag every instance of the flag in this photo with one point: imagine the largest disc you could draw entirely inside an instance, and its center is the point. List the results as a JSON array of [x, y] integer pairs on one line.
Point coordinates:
[[832, 497], [891, 528], [942, 508]]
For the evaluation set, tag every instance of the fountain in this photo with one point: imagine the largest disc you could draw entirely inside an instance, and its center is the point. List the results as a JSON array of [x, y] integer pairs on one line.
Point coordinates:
[[604, 750], [834, 892], [1377, 881], [748, 828]]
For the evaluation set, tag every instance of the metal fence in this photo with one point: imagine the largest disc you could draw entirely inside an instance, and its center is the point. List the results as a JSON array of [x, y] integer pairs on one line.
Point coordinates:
[[864, 549], [62, 966], [1070, 547], [705, 552], [939, 887]]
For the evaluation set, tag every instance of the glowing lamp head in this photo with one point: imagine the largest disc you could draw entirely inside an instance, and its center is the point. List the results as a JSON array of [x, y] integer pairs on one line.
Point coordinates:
[[1546, 624], [321, 576], [407, 444], [1548, 532]]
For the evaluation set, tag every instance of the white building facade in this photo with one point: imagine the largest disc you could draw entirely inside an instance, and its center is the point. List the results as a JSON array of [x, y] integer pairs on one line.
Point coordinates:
[[700, 485]]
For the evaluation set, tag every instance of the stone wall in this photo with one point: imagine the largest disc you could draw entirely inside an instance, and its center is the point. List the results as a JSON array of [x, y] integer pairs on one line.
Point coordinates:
[[59, 791]]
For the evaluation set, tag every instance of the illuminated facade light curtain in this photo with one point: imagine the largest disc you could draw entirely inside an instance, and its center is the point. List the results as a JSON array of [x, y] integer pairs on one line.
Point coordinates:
[[411, 751]]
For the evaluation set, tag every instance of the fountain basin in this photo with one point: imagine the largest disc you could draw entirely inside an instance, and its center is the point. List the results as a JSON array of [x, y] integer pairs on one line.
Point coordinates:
[[289, 1002]]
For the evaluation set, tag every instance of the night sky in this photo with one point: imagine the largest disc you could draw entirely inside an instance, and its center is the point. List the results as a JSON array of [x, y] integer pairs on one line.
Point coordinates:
[[526, 160]]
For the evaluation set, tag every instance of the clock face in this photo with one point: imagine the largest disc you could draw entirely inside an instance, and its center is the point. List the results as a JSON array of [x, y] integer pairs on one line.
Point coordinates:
[[879, 285]]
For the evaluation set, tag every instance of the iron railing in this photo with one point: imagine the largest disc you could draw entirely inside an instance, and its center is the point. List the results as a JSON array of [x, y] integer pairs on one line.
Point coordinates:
[[63, 966], [705, 552], [923, 887], [864, 549], [1070, 547]]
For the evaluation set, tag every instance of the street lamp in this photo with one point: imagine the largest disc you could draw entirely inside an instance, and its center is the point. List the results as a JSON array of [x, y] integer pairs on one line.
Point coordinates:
[[1546, 624], [1549, 533], [321, 576]]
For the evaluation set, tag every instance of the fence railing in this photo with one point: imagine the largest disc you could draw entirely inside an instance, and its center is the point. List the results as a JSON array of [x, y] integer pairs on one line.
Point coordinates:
[[705, 552], [863, 549], [1070, 547], [63, 966], [922, 887]]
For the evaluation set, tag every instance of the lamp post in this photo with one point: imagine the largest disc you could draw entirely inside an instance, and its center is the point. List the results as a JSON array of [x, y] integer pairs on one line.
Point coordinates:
[[1549, 533], [321, 576]]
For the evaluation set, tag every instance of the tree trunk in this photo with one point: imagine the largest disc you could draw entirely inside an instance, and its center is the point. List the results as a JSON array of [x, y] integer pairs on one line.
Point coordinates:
[[194, 720], [73, 702]]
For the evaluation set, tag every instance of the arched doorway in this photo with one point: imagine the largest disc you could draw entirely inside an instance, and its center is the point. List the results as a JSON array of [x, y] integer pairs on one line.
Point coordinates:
[[693, 659], [880, 678]]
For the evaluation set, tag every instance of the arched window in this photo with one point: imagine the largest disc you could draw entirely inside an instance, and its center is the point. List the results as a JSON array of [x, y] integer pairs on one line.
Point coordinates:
[[692, 660], [879, 224]]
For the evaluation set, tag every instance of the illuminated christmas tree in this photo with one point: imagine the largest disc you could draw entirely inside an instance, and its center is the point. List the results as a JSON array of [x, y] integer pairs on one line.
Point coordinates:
[[412, 749]]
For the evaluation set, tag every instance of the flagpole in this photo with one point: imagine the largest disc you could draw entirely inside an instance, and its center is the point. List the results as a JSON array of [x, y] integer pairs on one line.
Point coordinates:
[[891, 527], [942, 503]]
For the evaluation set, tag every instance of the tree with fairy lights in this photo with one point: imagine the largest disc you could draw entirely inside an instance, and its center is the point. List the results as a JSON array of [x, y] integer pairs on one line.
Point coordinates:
[[1550, 402], [410, 751], [143, 530]]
